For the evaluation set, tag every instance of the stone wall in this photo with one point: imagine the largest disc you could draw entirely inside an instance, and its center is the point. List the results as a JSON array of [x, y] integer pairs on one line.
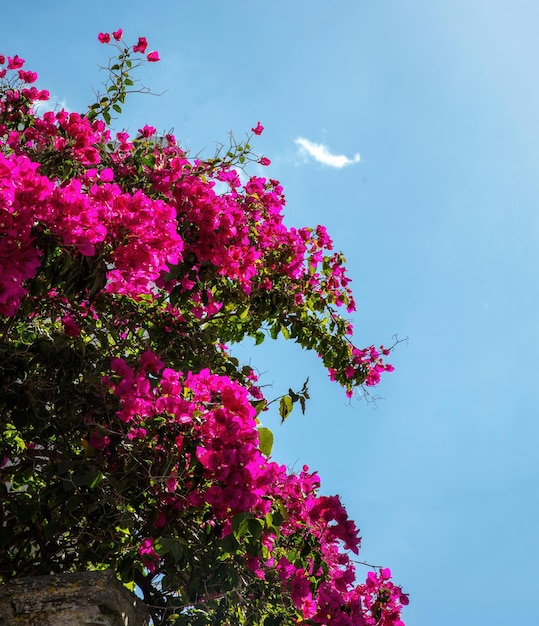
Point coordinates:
[[81, 599]]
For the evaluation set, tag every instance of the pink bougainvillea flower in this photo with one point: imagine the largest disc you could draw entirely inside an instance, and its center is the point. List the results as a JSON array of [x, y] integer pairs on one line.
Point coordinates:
[[98, 441], [264, 161], [106, 175], [122, 139], [14, 63], [117, 34], [257, 130], [153, 57], [141, 45], [2, 59], [28, 77], [150, 558], [147, 131], [33, 94], [71, 327], [151, 362], [103, 37]]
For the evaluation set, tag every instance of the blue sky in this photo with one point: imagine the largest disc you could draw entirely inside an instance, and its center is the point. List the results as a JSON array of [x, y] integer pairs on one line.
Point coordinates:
[[438, 220]]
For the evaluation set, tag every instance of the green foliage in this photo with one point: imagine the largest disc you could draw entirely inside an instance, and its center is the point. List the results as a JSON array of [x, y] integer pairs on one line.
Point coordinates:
[[266, 440], [91, 484]]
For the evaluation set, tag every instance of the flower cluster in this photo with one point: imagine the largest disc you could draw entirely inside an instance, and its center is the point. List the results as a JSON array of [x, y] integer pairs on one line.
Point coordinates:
[[125, 272], [140, 46], [215, 416], [22, 195], [136, 235], [140, 235], [217, 464]]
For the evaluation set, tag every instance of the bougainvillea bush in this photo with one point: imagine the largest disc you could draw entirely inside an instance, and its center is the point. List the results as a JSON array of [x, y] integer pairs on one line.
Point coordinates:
[[130, 436]]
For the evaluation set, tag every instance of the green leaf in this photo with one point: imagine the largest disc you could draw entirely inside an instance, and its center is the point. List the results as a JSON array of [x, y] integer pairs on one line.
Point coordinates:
[[125, 569], [293, 395], [260, 406], [285, 407], [255, 528], [230, 544], [238, 520], [266, 440], [99, 476], [149, 160], [167, 545]]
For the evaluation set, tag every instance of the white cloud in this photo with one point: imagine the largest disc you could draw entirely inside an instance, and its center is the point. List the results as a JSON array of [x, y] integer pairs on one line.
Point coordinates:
[[321, 153]]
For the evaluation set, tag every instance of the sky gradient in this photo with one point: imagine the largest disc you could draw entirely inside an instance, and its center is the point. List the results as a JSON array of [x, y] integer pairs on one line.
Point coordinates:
[[438, 218]]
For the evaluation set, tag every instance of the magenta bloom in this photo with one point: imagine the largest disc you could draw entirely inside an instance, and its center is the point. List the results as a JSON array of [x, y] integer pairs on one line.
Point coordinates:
[[106, 175], [257, 130], [264, 161], [150, 558], [28, 77], [153, 57], [71, 327], [103, 37], [117, 34], [147, 131], [14, 63], [141, 45]]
